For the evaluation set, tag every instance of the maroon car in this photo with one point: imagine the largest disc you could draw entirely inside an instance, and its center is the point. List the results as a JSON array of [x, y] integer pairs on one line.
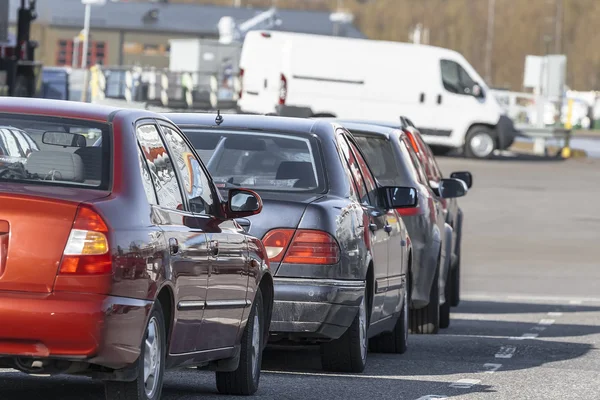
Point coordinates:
[[119, 258]]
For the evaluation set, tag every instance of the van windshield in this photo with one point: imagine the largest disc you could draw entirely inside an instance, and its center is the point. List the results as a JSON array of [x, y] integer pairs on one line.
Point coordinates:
[[261, 161], [54, 151]]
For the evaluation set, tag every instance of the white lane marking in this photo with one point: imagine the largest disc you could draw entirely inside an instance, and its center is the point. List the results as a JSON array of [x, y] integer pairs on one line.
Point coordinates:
[[506, 352], [491, 368], [554, 314], [525, 336], [432, 396], [533, 298], [538, 328], [547, 321], [465, 383]]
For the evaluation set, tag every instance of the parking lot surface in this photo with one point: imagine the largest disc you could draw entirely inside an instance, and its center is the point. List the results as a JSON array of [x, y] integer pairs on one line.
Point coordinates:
[[528, 326]]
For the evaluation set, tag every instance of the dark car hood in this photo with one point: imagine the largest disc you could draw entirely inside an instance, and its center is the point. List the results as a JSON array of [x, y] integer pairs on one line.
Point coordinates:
[[280, 210]]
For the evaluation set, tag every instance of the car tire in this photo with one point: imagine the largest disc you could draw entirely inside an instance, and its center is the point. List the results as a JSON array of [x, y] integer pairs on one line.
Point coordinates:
[[395, 341], [426, 320], [445, 308], [244, 380], [153, 353], [480, 142], [349, 352], [455, 279]]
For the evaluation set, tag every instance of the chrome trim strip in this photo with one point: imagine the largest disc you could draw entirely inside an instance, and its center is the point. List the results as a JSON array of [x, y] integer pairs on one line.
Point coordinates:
[[226, 304], [191, 305], [321, 282]]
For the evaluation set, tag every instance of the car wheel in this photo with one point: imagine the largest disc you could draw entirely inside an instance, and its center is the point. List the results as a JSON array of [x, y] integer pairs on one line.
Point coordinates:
[[426, 320], [445, 308], [151, 364], [244, 380], [455, 279], [349, 352], [480, 142], [395, 341]]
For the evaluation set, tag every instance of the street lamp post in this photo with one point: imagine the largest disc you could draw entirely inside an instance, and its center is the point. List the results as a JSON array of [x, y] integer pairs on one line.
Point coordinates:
[[86, 36]]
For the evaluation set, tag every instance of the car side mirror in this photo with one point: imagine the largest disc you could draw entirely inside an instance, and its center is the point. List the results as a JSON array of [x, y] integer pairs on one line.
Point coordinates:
[[452, 188], [243, 203], [477, 91], [464, 176], [399, 197]]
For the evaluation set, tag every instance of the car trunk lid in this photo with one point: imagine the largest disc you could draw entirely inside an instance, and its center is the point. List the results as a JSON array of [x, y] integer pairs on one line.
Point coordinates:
[[35, 222]]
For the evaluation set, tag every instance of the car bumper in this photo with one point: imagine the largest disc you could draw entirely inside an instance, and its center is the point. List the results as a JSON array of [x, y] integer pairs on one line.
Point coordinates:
[[98, 329], [315, 308]]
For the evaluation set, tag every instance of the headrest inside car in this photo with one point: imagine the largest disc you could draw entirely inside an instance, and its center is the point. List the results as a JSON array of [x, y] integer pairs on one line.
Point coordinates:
[[56, 165]]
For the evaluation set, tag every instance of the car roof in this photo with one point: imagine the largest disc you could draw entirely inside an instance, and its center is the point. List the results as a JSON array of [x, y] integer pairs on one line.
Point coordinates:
[[62, 108], [369, 127], [250, 122]]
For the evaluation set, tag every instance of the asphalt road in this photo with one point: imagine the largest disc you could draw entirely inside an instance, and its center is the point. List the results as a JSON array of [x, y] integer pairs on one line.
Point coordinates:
[[528, 326]]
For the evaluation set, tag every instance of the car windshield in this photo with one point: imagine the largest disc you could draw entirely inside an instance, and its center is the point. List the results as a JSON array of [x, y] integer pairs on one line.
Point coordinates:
[[262, 161], [55, 151]]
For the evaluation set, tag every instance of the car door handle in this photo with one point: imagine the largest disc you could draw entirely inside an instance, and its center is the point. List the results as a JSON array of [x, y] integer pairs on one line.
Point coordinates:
[[173, 246], [388, 228], [439, 99], [373, 227]]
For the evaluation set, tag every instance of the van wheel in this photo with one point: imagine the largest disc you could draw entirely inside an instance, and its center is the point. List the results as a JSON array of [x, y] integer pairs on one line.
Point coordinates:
[[349, 352], [395, 341], [426, 320], [244, 380], [151, 364], [480, 142]]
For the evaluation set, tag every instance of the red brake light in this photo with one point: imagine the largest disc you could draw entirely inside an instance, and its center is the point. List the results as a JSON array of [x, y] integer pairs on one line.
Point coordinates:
[[413, 142], [301, 247], [87, 250], [282, 89]]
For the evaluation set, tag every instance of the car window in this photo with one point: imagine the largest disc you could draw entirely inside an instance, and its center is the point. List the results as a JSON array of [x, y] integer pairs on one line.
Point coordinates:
[[25, 147], [146, 178], [196, 184], [259, 160], [62, 154], [428, 159], [455, 78], [161, 167], [354, 169], [407, 149], [368, 177], [380, 156], [10, 142]]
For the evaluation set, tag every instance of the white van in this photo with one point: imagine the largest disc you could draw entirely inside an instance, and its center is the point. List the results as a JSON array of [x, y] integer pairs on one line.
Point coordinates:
[[304, 75]]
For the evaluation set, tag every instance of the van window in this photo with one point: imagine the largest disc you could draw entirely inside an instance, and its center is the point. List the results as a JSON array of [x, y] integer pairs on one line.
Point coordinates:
[[455, 78]]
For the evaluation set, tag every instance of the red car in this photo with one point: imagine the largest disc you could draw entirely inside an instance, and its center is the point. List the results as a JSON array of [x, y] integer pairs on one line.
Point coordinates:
[[120, 259]]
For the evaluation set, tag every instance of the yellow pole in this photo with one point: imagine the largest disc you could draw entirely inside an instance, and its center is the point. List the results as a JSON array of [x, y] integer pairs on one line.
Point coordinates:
[[566, 150]]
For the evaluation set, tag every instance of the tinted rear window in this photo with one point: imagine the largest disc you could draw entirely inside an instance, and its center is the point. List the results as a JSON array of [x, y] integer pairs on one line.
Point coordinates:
[[54, 151], [261, 161], [382, 160]]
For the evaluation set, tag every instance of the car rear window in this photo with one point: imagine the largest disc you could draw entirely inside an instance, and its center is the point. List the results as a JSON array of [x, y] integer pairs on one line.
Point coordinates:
[[382, 159], [54, 151], [261, 161]]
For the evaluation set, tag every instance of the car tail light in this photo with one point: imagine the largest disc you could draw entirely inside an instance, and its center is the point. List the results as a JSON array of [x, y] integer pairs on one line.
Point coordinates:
[[304, 246], [282, 89], [241, 83], [87, 251], [413, 142]]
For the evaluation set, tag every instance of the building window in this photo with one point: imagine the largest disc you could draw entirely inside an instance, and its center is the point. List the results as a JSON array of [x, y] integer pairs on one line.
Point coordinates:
[[97, 53]]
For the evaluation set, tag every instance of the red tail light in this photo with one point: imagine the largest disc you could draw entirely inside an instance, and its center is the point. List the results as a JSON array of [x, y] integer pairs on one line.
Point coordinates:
[[282, 89], [241, 83], [87, 251], [413, 142], [303, 246]]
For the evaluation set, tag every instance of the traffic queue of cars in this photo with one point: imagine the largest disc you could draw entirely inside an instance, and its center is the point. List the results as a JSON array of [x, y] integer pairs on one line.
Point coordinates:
[[194, 240]]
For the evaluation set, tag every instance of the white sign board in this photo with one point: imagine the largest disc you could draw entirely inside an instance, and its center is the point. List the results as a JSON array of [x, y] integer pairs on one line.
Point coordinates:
[[533, 71]]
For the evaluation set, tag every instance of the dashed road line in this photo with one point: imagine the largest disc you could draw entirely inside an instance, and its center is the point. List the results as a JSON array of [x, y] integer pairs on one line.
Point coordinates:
[[432, 396], [491, 368], [575, 302], [547, 322], [538, 328], [465, 383], [525, 336], [506, 352], [555, 314]]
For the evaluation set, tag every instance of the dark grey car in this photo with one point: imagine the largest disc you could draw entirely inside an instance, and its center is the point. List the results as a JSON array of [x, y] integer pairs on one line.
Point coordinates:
[[338, 248], [394, 162]]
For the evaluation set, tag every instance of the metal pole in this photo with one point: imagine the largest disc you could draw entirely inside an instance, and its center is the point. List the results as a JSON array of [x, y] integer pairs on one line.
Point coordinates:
[[558, 27], [75, 60], [86, 37], [489, 40]]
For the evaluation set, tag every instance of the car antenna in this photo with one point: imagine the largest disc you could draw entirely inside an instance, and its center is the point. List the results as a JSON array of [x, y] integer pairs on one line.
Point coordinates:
[[219, 119]]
